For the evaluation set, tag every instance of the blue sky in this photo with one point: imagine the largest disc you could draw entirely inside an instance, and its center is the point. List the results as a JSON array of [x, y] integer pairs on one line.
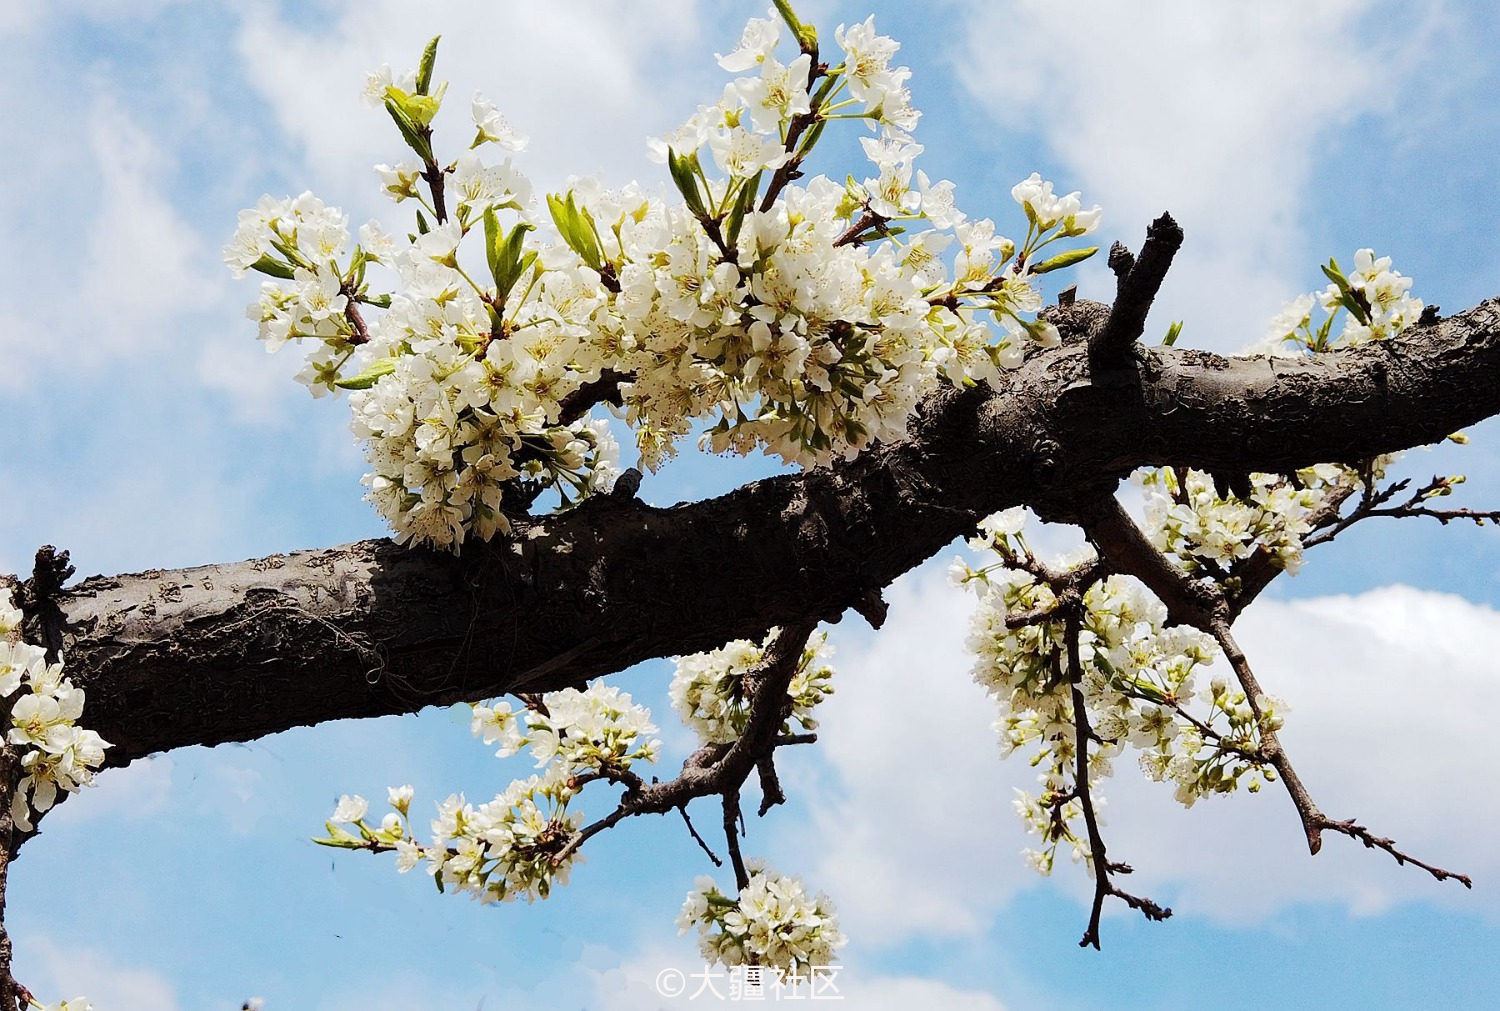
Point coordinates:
[[148, 429]]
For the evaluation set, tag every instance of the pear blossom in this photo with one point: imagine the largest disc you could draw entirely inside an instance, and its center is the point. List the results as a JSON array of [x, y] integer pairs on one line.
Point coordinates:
[[493, 127]]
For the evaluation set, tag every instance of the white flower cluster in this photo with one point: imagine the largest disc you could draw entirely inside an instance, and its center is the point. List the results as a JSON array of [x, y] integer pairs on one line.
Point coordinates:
[[301, 241], [1374, 296], [709, 690], [772, 922], [1138, 682], [1206, 532], [44, 711], [517, 844], [590, 731], [788, 318], [460, 398]]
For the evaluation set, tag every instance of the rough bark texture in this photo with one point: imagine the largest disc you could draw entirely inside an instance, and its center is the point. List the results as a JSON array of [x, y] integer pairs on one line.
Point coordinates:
[[232, 652]]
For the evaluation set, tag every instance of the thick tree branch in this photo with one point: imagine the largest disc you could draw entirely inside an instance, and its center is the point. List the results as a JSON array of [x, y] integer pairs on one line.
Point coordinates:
[[232, 652]]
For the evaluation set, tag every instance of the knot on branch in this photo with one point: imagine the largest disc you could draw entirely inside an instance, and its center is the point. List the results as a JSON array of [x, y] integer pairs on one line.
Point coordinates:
[[1077, 319], [42, 619]]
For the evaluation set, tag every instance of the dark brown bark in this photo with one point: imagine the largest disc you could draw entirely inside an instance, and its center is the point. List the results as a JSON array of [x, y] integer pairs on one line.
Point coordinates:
[[232, 652]]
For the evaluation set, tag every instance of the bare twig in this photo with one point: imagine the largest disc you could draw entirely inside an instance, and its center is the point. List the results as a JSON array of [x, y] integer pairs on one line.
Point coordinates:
[[702, 844], [869, 219], [733, 826], [1125, 547], [719, 769], [1103, 885], [1139, 281], [1375, 505], [1314, 821]]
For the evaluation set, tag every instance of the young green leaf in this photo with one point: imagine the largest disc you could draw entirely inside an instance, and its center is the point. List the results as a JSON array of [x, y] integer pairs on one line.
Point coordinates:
[[749, 189], [577, 228], [1062, 260], [503, 252], [410, 132], [368, 378], [424, 69], [268, 264]]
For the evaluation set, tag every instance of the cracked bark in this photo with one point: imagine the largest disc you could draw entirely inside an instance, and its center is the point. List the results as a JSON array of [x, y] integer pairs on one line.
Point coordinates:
[[233, 652]]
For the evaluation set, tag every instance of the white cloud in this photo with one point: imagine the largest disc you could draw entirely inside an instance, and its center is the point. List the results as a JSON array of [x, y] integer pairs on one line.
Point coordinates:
[[102, 267], [916, 839], [61, 972], [144, 267], [588, 81], [900, 993], [1393, 697], [1212, 111], [17, 17]]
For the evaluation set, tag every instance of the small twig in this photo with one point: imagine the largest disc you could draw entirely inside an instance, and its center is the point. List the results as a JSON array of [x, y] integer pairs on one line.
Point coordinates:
[[1139, 282], [771, 793], [1375, 505], [1373, 841], [1083, 733], [432, 173], [1314, 821], [604, 390], [732, 827], [869, 219], [702, 844], [1122, 543], [716, 769], [586, 833], [1271, 748], [1125, 546]]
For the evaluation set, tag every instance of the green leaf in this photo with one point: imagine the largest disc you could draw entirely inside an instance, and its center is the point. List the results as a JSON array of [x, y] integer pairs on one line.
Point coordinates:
[[1062, 260], [268, 264], [493, 238], [1173, 332], [424, 69], [368, 378], [410, 132], [507, 265], [576, 226], [749, 190], [338, 837], [811, 137]]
